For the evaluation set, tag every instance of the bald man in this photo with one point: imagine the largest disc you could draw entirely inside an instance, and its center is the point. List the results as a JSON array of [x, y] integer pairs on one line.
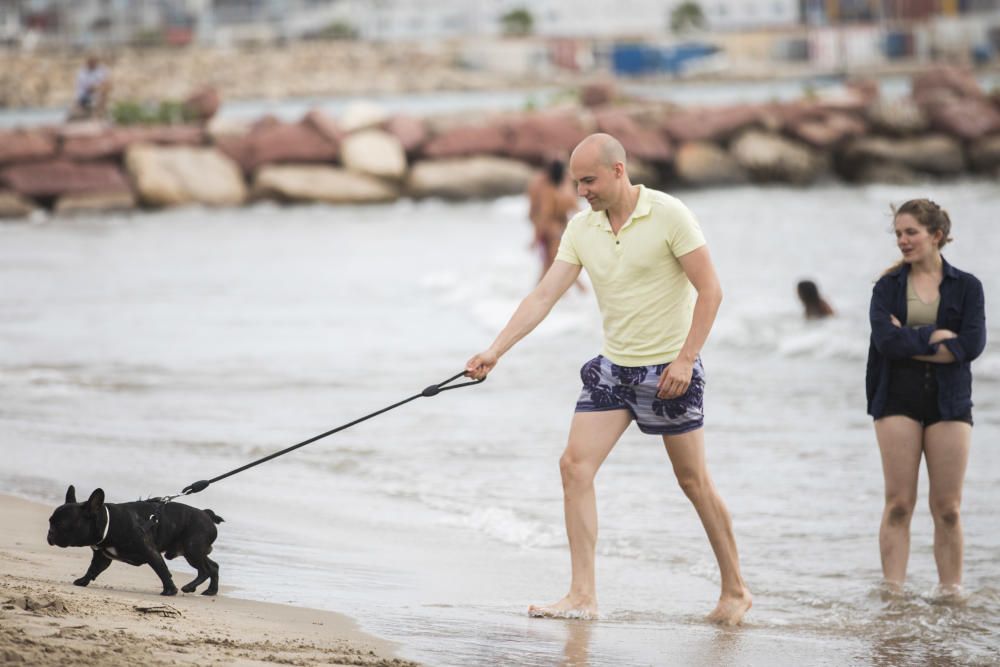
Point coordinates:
[[658, 294]]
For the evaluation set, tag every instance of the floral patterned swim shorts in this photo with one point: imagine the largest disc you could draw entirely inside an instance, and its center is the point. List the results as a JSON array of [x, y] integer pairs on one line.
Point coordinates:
[[608, 386]]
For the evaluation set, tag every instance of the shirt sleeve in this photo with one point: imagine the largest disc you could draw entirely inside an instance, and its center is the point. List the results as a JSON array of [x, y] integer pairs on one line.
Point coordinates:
[[892, 341], [972, 334], [567, 249], [683, 233]]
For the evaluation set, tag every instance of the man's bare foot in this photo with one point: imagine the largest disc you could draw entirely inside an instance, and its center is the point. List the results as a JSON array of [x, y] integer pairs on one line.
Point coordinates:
[[731, 608], [568, 607]]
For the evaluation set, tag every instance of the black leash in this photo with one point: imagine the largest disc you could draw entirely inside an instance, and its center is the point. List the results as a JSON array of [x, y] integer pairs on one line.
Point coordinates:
[[432, 390]]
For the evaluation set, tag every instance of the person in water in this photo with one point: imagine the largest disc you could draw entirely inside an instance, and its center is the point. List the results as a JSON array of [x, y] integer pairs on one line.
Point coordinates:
[[551, 203], [927, 325], [658, 294], [816, 307]]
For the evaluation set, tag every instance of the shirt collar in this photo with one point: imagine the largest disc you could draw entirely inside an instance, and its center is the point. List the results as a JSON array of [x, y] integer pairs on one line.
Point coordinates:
[[947, 270], [643, 206]]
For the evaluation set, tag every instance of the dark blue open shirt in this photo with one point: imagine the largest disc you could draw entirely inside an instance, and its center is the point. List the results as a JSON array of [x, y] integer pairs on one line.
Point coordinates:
[[961, 310]]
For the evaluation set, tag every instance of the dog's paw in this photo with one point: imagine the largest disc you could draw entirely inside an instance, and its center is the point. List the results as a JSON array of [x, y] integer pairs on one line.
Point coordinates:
[[188, 588], [210, 591], [82, 581], [169, 591]]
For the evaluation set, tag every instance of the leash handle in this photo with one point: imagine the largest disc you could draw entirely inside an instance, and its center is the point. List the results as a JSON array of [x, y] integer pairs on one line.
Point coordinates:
[[432, 390]]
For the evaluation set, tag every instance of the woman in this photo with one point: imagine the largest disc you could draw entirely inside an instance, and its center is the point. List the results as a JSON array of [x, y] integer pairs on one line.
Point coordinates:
[[928, 324], [816, 307]]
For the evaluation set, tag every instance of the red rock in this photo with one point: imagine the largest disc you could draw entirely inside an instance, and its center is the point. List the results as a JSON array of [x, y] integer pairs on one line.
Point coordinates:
[[945, 82], [324, 124], [715, 124], [60, 177], [539, 136], [203, 104], [967, 118], [830, 131], [112, 142], [466, 141], [26, 145], [411, 131], [598, 94], [640, 142], [277, 142]]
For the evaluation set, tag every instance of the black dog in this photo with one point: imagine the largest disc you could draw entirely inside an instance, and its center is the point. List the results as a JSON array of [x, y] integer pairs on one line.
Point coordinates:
[[137, 533]]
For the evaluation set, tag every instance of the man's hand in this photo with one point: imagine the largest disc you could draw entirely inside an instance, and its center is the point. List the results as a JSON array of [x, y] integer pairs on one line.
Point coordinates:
[[895, 322], [675, 380], [479, 366], [942, 334]]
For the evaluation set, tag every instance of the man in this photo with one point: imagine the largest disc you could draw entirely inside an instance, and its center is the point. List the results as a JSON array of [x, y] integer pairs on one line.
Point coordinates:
[[658, 294], [92, 86]]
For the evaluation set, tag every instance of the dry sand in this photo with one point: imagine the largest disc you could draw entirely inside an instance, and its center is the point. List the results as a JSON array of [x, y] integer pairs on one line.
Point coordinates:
[[120, 619]]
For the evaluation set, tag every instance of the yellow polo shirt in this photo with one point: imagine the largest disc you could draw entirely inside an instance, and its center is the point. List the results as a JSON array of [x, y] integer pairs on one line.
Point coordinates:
[[645, 298]]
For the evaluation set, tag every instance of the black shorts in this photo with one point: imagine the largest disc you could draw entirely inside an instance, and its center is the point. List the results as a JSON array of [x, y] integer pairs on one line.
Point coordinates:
[[913, 393]]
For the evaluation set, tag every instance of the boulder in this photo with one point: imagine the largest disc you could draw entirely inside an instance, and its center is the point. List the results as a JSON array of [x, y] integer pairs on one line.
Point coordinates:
[[598, 94], [897, 117], [171, 176], [112, 142], [536, 137], [95, 203], [645, 143], [769, 157], [362, 115], [984, 155], [703, 163], [644, 173], [13, 205], [465, 141], [467, 178], [968, 119], [375, 153], [934, 154], [829, 131], [26, 145], [891, 173], [943, 83], [411, 132], [54, 178], [275, 142], [319, 183], [325, 124], [203, 104], [710, 124]]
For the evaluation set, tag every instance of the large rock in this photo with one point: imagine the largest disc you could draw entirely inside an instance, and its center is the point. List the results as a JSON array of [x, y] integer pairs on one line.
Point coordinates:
[[985, 155], [710, 124], [703, 163], [170, 176], [898, 117], [111, 142], [968, 119], [95, 203], [13, 205], [203, 104], [933, 154], [325, 124], [54, 178], [411, 132], [640, 142], [598, 94], [362, 115], [769, 157], [275, 142], [26, 145], [475, 177], [943, 83], [318, 183], [375, 153], [828, 131], [641, 172], [891, 173], [536, 137], [466, 141]]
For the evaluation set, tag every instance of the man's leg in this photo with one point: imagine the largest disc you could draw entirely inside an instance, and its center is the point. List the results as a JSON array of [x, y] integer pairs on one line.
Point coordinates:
[[592, 435], [900, 439], [946, 447], [687, 454]]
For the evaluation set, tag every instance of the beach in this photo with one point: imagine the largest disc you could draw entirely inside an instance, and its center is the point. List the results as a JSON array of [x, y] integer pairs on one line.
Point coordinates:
[[121, 620], [142, 352]]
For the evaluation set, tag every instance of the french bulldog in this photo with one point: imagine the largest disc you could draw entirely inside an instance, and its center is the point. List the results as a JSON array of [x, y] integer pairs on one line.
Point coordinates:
[[137, 533]]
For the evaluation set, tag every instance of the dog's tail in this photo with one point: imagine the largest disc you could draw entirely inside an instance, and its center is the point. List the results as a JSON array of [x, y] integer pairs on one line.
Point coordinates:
[[215, 517]]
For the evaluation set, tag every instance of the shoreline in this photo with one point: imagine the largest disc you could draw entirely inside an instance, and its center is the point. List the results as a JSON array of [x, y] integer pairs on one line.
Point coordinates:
[[122, 620]]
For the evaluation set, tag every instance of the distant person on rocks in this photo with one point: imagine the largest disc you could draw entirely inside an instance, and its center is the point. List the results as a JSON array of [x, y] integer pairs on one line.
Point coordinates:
[[551, 203], [93, 84], [816, 307], [927, 325], [658, 294]]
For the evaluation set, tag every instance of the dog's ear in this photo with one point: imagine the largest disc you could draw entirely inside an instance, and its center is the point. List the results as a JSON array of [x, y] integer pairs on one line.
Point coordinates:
[[96, 501], [70, 495]]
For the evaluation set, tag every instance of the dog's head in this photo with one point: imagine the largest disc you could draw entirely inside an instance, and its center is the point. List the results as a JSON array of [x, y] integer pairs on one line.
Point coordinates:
[[76, 524]]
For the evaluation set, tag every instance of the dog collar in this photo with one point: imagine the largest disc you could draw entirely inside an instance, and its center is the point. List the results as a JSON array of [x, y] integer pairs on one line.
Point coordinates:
[[107, 525]]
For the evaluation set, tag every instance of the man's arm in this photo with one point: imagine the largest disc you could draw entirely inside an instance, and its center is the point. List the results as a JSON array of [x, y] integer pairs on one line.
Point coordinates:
[[528, 315], [699, 269]]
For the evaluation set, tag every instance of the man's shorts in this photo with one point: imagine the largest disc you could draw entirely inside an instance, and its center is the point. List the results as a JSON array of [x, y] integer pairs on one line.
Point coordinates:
[[608, 386]]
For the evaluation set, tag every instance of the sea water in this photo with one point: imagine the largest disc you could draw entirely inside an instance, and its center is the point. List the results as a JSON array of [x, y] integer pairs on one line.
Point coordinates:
[[141, 352]]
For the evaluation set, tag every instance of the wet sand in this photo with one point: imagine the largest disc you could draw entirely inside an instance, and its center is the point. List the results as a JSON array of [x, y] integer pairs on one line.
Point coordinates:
[[120, 619]]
